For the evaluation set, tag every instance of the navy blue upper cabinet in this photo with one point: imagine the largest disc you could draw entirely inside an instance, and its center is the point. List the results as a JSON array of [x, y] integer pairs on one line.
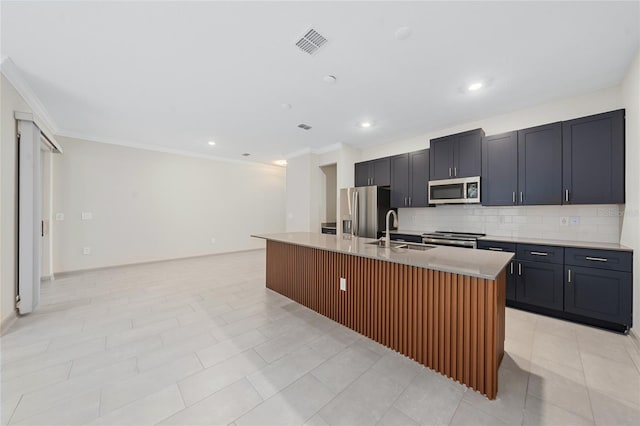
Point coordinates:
[[400, 180], [410, 179], [362, 175], [458, 155], [593, 159], [419, 178], [381, 171], [441, 158], [500, 169], [373, 172], [540, 165]]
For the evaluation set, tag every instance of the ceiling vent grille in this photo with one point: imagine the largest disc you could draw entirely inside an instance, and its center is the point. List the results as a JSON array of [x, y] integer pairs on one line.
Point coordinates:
[[311, 42], [304, 126]]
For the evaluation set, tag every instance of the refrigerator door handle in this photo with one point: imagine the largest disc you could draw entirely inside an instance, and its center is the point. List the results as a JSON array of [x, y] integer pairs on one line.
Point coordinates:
[[356, 214]]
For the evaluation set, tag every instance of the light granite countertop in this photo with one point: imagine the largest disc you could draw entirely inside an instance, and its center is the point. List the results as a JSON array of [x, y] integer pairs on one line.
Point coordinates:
[[475, 263], [546, 242], [561, 243]]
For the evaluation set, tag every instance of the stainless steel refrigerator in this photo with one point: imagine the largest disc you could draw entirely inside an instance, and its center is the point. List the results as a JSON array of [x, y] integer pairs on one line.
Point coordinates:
[[363, 210]]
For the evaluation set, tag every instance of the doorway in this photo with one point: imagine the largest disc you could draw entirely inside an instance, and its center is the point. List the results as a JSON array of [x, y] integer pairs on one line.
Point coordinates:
[[330, 192]]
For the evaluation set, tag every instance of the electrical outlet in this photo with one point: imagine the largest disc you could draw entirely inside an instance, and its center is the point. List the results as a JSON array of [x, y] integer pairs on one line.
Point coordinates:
[[564, 221], [213, 240], [343, 284], [86, 251], [574, 220], [59, 216], [87, 215]]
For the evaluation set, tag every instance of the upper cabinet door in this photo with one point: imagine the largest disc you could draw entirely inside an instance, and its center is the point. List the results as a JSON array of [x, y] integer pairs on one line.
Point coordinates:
[[362, 174], [468, 154], [593, 159], [381, 171], [500, 169], [400, 180], [540, 165], [441, 158], [419, 178]]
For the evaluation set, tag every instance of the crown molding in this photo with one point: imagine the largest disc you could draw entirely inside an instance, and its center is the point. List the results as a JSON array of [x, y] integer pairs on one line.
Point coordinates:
[[10, 70], [136, 145]]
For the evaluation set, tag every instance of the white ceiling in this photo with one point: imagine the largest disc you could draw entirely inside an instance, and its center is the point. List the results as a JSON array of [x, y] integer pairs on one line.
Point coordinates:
[[175, 75]]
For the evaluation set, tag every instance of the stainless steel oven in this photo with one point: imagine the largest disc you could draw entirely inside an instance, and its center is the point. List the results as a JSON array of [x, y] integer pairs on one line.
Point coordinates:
[[452, 239]]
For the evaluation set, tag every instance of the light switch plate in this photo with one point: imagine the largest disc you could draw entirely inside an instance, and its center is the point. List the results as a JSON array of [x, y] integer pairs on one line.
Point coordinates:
[[87, 215], [343, 284], [574, 220], [86, 250], [59, 216]]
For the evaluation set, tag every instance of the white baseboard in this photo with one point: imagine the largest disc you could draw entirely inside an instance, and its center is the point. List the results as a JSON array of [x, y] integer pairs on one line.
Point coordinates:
[[64, 274], [7, 322]]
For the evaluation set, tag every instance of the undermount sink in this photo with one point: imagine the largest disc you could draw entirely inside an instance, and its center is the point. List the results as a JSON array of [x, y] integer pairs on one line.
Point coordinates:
[[400, 245]]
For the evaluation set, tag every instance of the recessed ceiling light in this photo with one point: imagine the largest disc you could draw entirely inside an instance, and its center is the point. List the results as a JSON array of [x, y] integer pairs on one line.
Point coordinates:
[[246, 154], [365, 124], [475, 86], [329, 79], [280, 163], [403, 33], [212, 143]]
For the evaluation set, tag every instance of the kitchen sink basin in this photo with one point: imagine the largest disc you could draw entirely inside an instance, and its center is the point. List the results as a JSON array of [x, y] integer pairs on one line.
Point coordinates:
[[399, 245]]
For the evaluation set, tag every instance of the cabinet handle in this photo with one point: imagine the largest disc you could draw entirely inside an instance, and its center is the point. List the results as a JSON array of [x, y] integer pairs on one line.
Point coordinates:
[[405, 201], [566, 195], [495, 249], [596, 259], [514, 197], [521, 197], [519, 268], [449, 171], [511, 268], [568, 275], [409, 201], [455, 171], [539, 253]]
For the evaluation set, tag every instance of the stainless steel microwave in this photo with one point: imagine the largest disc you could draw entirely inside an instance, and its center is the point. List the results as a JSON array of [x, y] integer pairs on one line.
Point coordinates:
[[455, 191]]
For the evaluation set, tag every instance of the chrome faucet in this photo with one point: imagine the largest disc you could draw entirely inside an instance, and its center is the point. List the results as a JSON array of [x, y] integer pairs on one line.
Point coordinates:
[[387, 236]]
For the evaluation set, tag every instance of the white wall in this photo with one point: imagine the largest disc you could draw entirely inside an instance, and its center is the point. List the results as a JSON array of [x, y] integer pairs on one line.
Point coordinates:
[[149, 205], [304, 186], [10, 101], [631, 220]]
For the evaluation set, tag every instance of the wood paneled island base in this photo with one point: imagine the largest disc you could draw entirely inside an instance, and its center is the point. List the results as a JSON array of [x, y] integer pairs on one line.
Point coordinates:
[[451, 323]]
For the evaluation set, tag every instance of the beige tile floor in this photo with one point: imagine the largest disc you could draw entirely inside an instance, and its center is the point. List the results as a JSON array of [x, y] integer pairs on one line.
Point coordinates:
[[201, 341]]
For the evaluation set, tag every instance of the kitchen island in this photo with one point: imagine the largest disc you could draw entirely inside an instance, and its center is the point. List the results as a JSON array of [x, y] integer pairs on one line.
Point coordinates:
[[443, 307]]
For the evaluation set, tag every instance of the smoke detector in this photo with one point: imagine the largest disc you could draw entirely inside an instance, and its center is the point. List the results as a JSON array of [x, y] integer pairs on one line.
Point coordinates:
[[311, 42], [304, 126]]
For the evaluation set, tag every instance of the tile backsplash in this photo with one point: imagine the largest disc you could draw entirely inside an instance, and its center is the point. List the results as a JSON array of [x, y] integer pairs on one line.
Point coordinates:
[[599, 223]]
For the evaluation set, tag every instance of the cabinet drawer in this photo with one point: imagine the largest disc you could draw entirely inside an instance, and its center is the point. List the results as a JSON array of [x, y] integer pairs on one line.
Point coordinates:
[[601, 259], [538, 253], [497, 246]]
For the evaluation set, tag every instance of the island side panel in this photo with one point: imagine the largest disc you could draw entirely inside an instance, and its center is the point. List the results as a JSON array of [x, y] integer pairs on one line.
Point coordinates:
[[450, 323]]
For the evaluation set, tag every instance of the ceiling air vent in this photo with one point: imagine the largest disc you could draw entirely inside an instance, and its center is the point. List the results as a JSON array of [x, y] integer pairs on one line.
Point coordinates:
[[311, 42], [304, 126]]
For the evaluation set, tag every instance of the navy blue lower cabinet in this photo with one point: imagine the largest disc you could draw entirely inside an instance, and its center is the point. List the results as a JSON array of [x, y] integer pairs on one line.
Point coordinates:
[[540, 284], [598, 293], [511, 281], [511, 267]]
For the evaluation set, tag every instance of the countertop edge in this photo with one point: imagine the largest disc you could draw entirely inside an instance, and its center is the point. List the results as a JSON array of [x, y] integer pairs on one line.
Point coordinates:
[[407, 262]]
